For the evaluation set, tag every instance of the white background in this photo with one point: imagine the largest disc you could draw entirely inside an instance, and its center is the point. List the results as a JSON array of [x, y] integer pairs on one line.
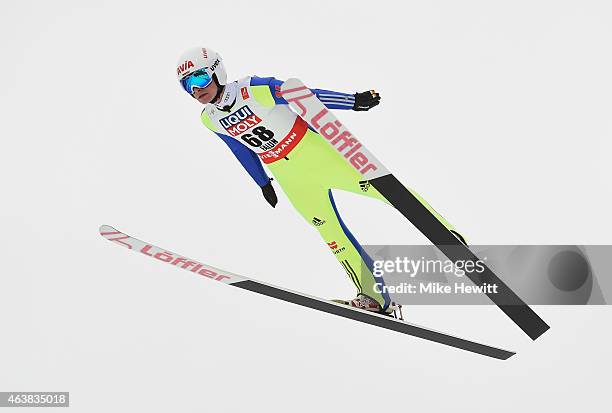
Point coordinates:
[[498, 113]]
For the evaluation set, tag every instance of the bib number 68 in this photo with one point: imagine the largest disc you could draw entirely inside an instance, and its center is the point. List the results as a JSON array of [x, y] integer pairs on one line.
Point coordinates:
[[260, 134]]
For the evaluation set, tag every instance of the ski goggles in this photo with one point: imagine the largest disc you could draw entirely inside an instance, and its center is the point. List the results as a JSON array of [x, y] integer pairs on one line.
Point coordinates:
[[199, 78]]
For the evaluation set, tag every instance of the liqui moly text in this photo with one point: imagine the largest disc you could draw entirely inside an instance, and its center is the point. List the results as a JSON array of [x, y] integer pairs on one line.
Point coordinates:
[[239, 121]]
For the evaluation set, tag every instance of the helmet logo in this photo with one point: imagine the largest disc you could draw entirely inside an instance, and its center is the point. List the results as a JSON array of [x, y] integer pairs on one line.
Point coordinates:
[[214, 65], [184, 67]]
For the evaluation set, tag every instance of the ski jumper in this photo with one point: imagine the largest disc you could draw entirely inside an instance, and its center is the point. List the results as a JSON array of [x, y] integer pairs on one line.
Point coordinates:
[[259, 127]]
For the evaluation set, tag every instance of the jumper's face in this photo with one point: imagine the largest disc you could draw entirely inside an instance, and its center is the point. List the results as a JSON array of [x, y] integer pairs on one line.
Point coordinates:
[[201, 85], [206, 94]]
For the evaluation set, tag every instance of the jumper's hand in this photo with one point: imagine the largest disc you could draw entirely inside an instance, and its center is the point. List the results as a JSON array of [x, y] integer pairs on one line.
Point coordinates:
[[269, 194], [366, 100]]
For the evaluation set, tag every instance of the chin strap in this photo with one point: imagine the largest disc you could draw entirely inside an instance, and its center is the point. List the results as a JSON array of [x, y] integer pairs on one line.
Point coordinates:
[[226, 108], [226, 96], [220, 90]]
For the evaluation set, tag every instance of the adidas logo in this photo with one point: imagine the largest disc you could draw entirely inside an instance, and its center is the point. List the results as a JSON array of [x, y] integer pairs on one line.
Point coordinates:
[[365, 185], [318, 222]]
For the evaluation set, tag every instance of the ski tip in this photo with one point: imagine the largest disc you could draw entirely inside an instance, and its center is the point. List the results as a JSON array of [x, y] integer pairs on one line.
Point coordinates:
[[105, 229], [290, 84]]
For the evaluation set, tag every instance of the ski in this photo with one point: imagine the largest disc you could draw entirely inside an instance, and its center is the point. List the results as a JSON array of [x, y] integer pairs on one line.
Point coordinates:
[[313, 111], [304, 300]]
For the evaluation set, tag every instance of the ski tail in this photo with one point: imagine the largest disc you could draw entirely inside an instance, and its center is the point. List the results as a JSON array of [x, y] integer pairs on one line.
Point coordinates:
[[298, 298], [409, 206], [374, 319]]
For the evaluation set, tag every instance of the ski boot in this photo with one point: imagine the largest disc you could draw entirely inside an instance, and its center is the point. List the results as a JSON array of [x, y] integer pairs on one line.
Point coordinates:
[[367, 303]]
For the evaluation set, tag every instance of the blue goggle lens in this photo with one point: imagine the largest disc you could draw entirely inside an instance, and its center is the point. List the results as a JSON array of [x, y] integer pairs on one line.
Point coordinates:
[[199, 78]]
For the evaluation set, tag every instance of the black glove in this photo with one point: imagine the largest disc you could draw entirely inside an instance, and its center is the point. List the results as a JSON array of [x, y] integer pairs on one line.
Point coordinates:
[[366, 100], [269, 194]]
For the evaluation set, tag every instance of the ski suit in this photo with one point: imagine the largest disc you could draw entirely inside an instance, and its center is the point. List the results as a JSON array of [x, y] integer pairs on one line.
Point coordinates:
[[258, 126]]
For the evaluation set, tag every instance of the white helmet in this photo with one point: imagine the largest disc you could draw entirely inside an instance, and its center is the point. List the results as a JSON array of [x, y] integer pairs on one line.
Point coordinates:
[[201, 58]]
